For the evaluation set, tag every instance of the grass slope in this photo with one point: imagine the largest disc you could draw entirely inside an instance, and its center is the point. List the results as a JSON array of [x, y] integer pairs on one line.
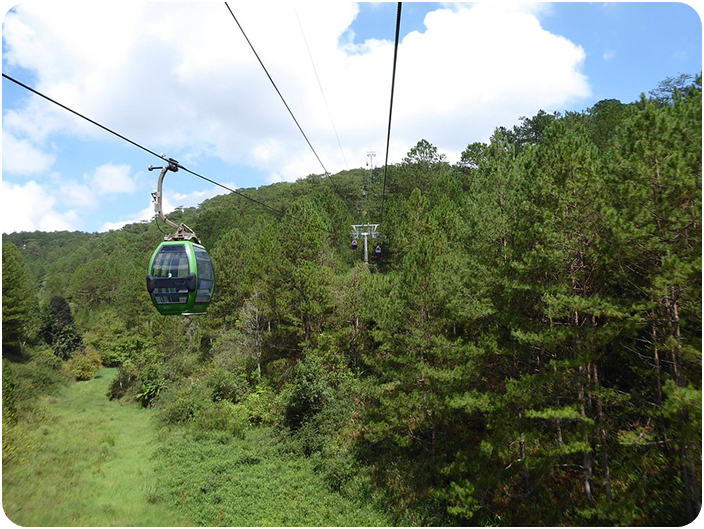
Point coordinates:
[[89, 462], [221, 480]]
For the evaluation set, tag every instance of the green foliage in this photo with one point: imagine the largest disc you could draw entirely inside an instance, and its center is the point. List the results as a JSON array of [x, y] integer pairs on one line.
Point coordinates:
[[221, 416], [59, 329], [528, 352], [43, 373], [263, 407], [124, 379], [85, 364], [18, 301], [152, 384], [308, 394], [8, 390], [24, 383], [221, 483], [227, 385], [103, 449]]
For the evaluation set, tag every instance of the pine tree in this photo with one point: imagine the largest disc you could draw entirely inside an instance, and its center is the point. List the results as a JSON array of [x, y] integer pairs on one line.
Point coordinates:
[[59, 329], [657, 190], [18, 301]]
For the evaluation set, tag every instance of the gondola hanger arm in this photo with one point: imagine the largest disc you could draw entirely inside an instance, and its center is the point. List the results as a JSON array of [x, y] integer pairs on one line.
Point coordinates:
[[182, 231]]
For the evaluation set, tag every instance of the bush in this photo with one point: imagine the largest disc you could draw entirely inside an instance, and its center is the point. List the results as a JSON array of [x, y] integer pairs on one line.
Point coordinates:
[[85, 364], [42, 374], [180, 365], [263, 406], [182, 402], [222, 416], [227, 385], [123, 349], [8, 389], [124, 380], [22, 384], [59, 328], [309, 392], [153, 384], [278, 373]]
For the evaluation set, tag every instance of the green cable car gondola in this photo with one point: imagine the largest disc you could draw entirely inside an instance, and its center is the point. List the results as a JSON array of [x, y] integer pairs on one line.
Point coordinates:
[[181, 278]]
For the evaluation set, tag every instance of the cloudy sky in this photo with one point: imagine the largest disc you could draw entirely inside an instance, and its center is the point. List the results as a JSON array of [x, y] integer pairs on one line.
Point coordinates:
[[179, 78]]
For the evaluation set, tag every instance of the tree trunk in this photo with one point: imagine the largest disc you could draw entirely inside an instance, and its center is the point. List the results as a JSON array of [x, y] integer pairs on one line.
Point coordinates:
[[656, 353], [677, 348], [587, 456], [602, 435]]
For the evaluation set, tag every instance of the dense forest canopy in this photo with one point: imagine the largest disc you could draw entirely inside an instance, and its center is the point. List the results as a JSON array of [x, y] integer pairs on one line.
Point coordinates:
[[527, 351]]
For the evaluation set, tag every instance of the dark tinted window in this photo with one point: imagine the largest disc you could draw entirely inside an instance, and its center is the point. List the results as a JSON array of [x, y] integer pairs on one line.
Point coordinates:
[[171, 261], [206, 276]]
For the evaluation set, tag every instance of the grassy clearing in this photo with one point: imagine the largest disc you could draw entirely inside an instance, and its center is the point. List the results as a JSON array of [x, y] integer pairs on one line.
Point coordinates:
[[224, 481], [87, 461]]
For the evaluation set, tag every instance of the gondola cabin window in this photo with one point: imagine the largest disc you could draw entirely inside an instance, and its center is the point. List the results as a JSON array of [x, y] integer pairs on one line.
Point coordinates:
[[171, 262], [206, 275]]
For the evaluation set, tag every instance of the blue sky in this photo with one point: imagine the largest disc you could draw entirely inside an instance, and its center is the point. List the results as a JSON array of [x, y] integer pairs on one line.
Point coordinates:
[[179, 78]]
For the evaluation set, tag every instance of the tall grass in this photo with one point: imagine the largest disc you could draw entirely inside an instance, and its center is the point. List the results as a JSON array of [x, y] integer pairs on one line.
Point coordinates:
[[221, 480], [88, 462], [91, 461]]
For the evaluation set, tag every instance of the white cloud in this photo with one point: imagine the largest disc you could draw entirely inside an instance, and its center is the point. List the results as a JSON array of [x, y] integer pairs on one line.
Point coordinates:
[[54, 221], [38, 206], [173, 199], [29, 207], [22, 157], [73, 193], [182, 79], [107, 179], [146, 214], [170, 202], [111, 179], [608, 55]]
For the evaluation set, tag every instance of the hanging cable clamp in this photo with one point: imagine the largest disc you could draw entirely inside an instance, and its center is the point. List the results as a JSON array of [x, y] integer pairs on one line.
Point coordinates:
[[182, 232], [173, 165]]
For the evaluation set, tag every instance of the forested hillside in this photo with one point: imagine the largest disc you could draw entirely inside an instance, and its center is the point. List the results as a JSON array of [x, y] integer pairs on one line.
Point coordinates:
[[527, 350]]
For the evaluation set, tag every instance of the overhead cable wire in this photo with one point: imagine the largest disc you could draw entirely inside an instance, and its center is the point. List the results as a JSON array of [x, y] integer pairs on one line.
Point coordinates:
[[391, 106], [320, 85], [19, 83], [276, 88]]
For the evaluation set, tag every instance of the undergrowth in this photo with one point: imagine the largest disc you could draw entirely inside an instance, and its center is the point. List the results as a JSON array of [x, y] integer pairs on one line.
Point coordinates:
[[255, 480]]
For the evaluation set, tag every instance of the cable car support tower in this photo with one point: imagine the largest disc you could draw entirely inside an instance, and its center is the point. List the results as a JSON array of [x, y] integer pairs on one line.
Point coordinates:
[[366, 231]]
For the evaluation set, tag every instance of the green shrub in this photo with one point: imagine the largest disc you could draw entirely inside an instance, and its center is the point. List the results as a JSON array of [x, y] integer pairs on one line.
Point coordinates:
[[263, 407], [153, 384], [222, 416], [227, 385], [130, 347], [8, 388], [45, 357], [181, 402], [42, 374], [308, 394], [278, 372], [22, 384], [59, 329], [126, 377], [180, 365], [85, 364]]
